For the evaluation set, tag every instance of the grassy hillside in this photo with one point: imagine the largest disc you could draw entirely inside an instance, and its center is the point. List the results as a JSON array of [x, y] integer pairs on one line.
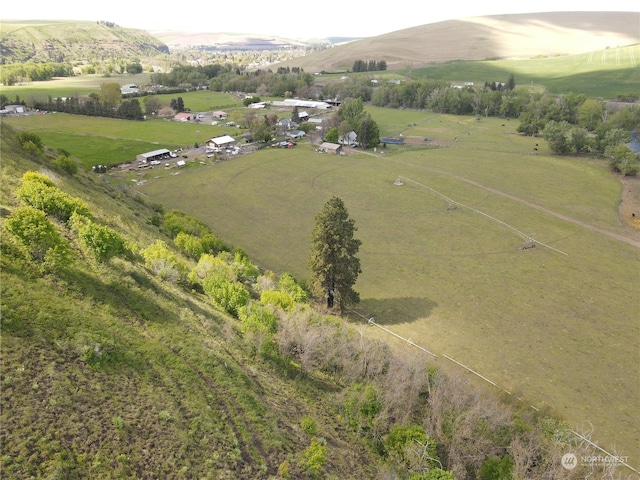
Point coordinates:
[[603, 73], [55, 41], [483, 38], [110, 372]]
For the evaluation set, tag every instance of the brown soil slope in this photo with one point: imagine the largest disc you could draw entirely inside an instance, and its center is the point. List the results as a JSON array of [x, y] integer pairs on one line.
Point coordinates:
[[481, 38]]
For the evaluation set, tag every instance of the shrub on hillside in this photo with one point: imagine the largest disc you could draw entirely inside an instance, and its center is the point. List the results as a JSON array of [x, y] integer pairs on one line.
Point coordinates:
[[226, 293], [66, 164], [38, 238], [288, 284], [102, 241], [40, 192], [176, 221], [163, 262], [242, 266], [31, 143], [208, 265], [411, 447], [195, 246], [281, 300], [315, 456]]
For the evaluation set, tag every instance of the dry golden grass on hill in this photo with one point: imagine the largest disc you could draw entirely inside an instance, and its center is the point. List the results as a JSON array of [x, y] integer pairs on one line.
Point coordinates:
[[480, 38]]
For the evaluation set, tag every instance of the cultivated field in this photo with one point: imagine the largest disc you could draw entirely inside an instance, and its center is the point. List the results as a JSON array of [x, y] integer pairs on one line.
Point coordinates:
[[558, 325]]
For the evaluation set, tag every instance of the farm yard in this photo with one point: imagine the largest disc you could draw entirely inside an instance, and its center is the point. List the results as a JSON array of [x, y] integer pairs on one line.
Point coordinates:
[[556, 326]]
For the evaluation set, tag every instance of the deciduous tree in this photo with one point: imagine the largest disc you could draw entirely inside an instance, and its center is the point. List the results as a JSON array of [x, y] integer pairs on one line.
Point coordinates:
[[590, 113], [622, 159], [557, 136], [352, 111], [110, 94], [368, 132], [332, 135]]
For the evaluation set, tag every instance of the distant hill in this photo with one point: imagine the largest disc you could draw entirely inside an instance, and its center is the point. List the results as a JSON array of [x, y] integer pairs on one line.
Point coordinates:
[[481, 38], [238, 41], [64, 41], [222, 41]]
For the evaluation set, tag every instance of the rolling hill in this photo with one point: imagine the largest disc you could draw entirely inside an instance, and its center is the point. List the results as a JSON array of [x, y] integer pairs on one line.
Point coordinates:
[[58, 41], [482, 38]]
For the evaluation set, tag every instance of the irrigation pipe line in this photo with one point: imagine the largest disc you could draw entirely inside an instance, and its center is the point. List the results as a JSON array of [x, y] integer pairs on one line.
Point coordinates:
[[371, 321], [527, 238], [617, 458], [476, 373]]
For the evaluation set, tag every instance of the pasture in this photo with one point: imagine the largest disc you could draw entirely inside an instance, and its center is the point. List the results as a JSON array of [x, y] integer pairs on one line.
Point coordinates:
[[70, 86], [560, 330], [604, 73], [93, 140]]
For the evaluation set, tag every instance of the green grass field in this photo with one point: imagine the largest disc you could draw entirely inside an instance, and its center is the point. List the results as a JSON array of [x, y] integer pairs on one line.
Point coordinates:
[[558, 330], [93, 140], [604, 73]]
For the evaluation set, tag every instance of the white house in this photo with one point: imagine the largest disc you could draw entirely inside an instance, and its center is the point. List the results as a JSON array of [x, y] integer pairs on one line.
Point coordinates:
[[220, 142], [348, 139]]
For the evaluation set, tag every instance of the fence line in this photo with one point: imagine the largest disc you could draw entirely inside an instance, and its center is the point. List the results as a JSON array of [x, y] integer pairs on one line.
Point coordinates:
[[371, 321]]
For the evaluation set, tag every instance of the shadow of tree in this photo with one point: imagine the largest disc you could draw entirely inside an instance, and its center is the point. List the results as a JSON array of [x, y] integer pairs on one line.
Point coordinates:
[[391, 311]]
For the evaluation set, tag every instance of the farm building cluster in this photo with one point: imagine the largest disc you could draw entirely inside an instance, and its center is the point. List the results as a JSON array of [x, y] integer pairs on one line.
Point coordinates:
[[289, 127]]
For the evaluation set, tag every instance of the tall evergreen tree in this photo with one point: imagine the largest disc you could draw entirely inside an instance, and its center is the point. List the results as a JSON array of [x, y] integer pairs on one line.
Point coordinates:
[[333, 263]]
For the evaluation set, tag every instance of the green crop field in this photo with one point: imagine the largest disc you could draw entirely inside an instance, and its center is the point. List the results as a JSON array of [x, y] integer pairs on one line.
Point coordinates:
[[556, 326]]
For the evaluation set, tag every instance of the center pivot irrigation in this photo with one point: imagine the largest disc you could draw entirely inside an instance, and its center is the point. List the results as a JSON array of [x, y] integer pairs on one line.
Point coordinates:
[[529, 240]]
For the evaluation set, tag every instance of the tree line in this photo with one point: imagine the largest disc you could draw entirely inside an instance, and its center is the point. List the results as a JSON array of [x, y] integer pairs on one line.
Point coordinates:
[[370, 66], [31, 71], [93, 107]]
